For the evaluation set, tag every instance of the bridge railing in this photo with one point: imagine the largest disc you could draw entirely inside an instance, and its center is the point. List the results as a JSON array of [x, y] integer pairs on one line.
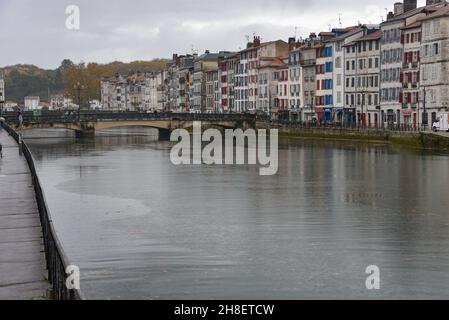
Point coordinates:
[[56, 259], [49, 117]]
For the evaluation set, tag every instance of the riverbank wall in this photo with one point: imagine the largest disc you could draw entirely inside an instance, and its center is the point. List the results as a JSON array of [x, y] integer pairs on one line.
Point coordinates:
[[418, 140]]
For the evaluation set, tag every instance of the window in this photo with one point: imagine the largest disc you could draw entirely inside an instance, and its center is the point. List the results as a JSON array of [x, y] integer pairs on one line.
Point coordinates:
[[435, 49], [338, 62], [427, 28], [436, 26]]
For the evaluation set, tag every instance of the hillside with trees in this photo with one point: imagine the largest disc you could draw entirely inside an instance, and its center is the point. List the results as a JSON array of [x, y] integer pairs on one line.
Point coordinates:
[[26, 80]]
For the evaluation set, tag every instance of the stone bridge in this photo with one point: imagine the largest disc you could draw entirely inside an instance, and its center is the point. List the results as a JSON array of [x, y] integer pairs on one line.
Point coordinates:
[[87, 123]]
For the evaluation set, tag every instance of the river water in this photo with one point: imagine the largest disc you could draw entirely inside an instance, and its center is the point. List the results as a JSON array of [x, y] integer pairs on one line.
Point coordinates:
[[141, 228]]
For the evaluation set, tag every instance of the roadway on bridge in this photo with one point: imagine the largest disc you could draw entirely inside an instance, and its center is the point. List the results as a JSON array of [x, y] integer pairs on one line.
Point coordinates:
[[22, 259]]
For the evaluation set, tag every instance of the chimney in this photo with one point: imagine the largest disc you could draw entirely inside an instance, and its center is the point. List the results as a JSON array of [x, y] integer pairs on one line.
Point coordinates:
[[256, 41], [431, 2], [410, 5], [398, 8], [390, 15], [291, 43]]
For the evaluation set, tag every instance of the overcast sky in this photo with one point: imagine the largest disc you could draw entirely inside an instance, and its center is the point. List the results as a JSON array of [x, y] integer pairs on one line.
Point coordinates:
[[34, 31]]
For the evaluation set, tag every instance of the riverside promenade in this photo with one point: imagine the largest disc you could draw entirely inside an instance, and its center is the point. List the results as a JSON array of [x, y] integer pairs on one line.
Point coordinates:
[[22, 257]]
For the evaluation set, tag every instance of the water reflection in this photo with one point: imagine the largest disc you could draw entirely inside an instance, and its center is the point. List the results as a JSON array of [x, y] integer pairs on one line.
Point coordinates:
[[140, 227]]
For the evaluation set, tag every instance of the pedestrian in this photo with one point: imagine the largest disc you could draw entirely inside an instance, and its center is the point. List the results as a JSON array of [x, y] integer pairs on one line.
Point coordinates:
[[1, 151], [20, 119]]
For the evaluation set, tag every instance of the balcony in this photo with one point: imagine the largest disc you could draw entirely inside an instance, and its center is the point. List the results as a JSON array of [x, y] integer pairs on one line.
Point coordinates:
[[411, 65], [308, 62]]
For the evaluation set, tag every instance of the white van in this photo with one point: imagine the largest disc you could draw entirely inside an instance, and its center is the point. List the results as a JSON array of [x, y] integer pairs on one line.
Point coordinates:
[[442, 123]]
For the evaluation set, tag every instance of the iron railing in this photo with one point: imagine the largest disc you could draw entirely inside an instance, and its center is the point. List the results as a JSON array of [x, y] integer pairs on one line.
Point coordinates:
[[343, 126], [49, 117], [56, 259]]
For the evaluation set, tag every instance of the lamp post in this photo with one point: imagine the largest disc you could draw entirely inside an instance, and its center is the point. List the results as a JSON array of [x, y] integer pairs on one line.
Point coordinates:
[[362, 118], [78, 87], [424, 117]]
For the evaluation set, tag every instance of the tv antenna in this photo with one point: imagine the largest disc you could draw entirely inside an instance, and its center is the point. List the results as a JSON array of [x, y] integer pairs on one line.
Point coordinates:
[[339, 20]]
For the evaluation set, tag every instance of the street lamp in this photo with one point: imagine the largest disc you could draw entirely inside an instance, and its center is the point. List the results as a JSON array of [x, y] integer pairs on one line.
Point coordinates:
[[362, 118], [424, 117], [78, 87], [1, 107]]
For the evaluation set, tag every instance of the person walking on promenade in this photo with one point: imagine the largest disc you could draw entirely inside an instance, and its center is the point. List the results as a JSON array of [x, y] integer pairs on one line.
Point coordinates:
[[20, 118], [1, 151]]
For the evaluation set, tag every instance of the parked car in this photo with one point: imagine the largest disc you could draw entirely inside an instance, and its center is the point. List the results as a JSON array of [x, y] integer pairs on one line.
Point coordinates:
[[442, 123]]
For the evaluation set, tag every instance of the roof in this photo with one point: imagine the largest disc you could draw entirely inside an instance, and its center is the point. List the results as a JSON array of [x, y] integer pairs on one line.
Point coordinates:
[[274, 62], [370, 36], [414, 25], [440, 12], [413, 12], [350, 32], [326, 33], [263, 44], [208, 56]]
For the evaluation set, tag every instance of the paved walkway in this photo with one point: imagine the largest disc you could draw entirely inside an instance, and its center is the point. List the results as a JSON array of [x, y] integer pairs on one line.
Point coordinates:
[[442, 134], [22, 259]]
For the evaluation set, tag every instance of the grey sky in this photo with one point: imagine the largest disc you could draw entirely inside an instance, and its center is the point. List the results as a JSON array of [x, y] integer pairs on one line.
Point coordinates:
[[33, 31]]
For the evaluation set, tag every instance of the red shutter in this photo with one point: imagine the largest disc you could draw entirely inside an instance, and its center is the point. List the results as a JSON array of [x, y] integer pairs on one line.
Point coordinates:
[[409, 77], [401, 97], [409, 98], [402, 38], [417, 76], [401, 77], [418, 56]]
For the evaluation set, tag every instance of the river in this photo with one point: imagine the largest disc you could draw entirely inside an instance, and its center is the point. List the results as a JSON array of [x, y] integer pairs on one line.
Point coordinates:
[[141, 228]]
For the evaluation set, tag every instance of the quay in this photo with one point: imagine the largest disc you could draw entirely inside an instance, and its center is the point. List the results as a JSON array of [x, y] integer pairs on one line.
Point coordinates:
[[22, 257], [33, 264]]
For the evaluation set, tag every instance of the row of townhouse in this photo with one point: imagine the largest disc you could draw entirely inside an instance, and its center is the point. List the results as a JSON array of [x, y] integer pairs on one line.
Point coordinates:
[[366, 75], [158, 91], [135, 92]]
